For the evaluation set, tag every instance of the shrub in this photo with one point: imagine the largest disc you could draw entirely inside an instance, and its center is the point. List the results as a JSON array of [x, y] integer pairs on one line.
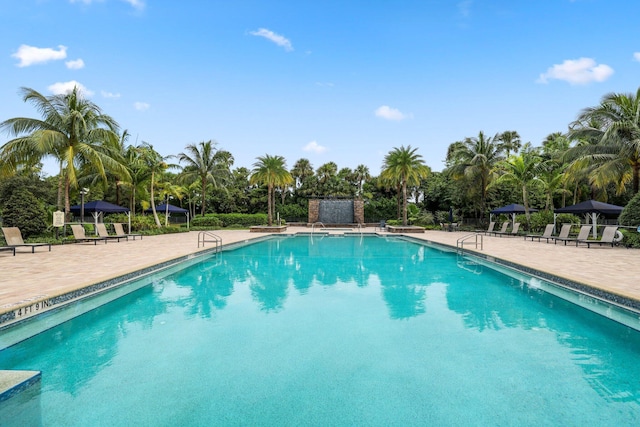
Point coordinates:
[[631, 238], [227, 220], [24, 211], [631, 213], [425, 218]]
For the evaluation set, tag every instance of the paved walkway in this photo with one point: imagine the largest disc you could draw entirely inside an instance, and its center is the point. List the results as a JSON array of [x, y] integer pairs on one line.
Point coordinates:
[[28, 277]]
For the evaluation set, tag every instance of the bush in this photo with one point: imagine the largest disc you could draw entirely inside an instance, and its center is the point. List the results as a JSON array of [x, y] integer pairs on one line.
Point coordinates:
[[631, 238], [425, 218], [631, 213], [24, 211], [293, 212]]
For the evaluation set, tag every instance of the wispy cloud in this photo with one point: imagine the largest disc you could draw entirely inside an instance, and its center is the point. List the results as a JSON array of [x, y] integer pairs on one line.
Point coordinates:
[[388, 113], [62, 88], [325, 84], [577, 72], [30, 55], [141, 106], [464, 8], [75, 64], [136, 4], [109, 95], [314, 147], [276, 38], [636, 56]]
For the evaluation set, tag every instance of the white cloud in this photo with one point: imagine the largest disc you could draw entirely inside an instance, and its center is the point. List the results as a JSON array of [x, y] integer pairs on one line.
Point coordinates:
[[75, 64], [315, 147], [325, 84], [136, 4], [29, 55], [464, 7], [110, 95], [636, 56], [141, 106], [276, 38], [577, 71], [388, 113], [62, 88]]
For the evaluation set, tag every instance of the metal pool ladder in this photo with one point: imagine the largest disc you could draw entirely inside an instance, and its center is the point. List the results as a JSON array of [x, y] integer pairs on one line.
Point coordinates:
[[209, 237], [461, 240], [314, 225]]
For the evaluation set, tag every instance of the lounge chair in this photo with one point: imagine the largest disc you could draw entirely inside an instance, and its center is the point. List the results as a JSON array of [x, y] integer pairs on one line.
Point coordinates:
[[513, 232], [582, 235], [8, 248], [503, 230], [13, 236], [548, 234], [382, 226], [608, 236], [120, 231], [102, 232], [564, 233], [79, 235], [489, 230]]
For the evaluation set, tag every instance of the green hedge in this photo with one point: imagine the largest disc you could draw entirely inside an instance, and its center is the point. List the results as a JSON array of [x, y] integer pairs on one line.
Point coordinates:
[[229, 220]]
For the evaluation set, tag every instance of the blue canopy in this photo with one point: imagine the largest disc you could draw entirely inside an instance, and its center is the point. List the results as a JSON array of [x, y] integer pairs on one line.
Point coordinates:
[[592, 206], [99, 206], [513, 208], [172, 209]]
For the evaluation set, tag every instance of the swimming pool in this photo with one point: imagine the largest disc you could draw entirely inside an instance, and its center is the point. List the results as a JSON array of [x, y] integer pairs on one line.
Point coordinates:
[[336, 331]]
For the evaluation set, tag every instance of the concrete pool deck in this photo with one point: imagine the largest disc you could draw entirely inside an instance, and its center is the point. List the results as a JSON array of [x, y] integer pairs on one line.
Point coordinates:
[[30, 277]]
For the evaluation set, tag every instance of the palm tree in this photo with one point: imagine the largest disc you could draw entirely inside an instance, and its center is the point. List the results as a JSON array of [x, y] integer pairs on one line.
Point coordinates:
[[155, 164], [404, 167], [73, 130], [615, 125], [475, 159], [510, 141], [207, 165], [522, 170], [361, 174], [301, 170], [272, 172]]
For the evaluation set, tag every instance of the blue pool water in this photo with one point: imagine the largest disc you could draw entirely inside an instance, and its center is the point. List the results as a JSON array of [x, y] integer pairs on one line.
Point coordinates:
[[335, 331]]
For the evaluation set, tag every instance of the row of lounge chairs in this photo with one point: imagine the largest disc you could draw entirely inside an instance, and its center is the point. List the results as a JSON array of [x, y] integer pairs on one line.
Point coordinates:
[[13, 237], [608, 235]]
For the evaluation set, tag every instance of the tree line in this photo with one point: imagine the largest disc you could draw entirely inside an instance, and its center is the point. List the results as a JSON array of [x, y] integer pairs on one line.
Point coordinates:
[[597, 157]]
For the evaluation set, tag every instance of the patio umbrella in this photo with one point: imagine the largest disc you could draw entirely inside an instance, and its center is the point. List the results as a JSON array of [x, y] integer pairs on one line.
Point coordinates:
[[99, 207], [512, 209], [164, 207], [591, 208]]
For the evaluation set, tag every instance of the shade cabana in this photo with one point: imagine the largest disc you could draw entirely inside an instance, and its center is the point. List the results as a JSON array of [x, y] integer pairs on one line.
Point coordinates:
[[592, 209], [170, 209], [513, 210], [100, 207]]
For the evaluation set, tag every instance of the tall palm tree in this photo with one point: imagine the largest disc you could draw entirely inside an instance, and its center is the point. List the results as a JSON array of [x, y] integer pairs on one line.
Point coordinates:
[[272, 172], [475, 159], [361, 174], [404, 167], [207, 165], [521, 170], [73, 130], [615, 125], [155, 164], [301, 170], [510, 141]]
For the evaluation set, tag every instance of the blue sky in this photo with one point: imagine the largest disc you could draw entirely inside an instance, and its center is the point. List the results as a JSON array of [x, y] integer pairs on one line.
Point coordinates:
[[332, 80]]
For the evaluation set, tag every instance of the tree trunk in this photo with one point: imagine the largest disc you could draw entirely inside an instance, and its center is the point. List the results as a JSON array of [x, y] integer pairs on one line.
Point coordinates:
[[204, 196], [269, 207], [404, 202], [67, 204], [153, 204]]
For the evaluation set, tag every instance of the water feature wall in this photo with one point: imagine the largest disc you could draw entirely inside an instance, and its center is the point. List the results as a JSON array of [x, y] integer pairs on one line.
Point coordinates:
[[336, 212]]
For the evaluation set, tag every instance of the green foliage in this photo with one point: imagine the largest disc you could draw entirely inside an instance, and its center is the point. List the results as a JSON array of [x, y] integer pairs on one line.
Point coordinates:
[[539, 220], [25, 211], [293, 212], [425, 218], [631, 238], [229, 220], [139, 223], [631, 213], [394, 222], [381, 208]]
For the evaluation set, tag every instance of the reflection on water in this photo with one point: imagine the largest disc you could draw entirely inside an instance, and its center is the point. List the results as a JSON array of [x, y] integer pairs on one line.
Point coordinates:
[[325, 286]]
